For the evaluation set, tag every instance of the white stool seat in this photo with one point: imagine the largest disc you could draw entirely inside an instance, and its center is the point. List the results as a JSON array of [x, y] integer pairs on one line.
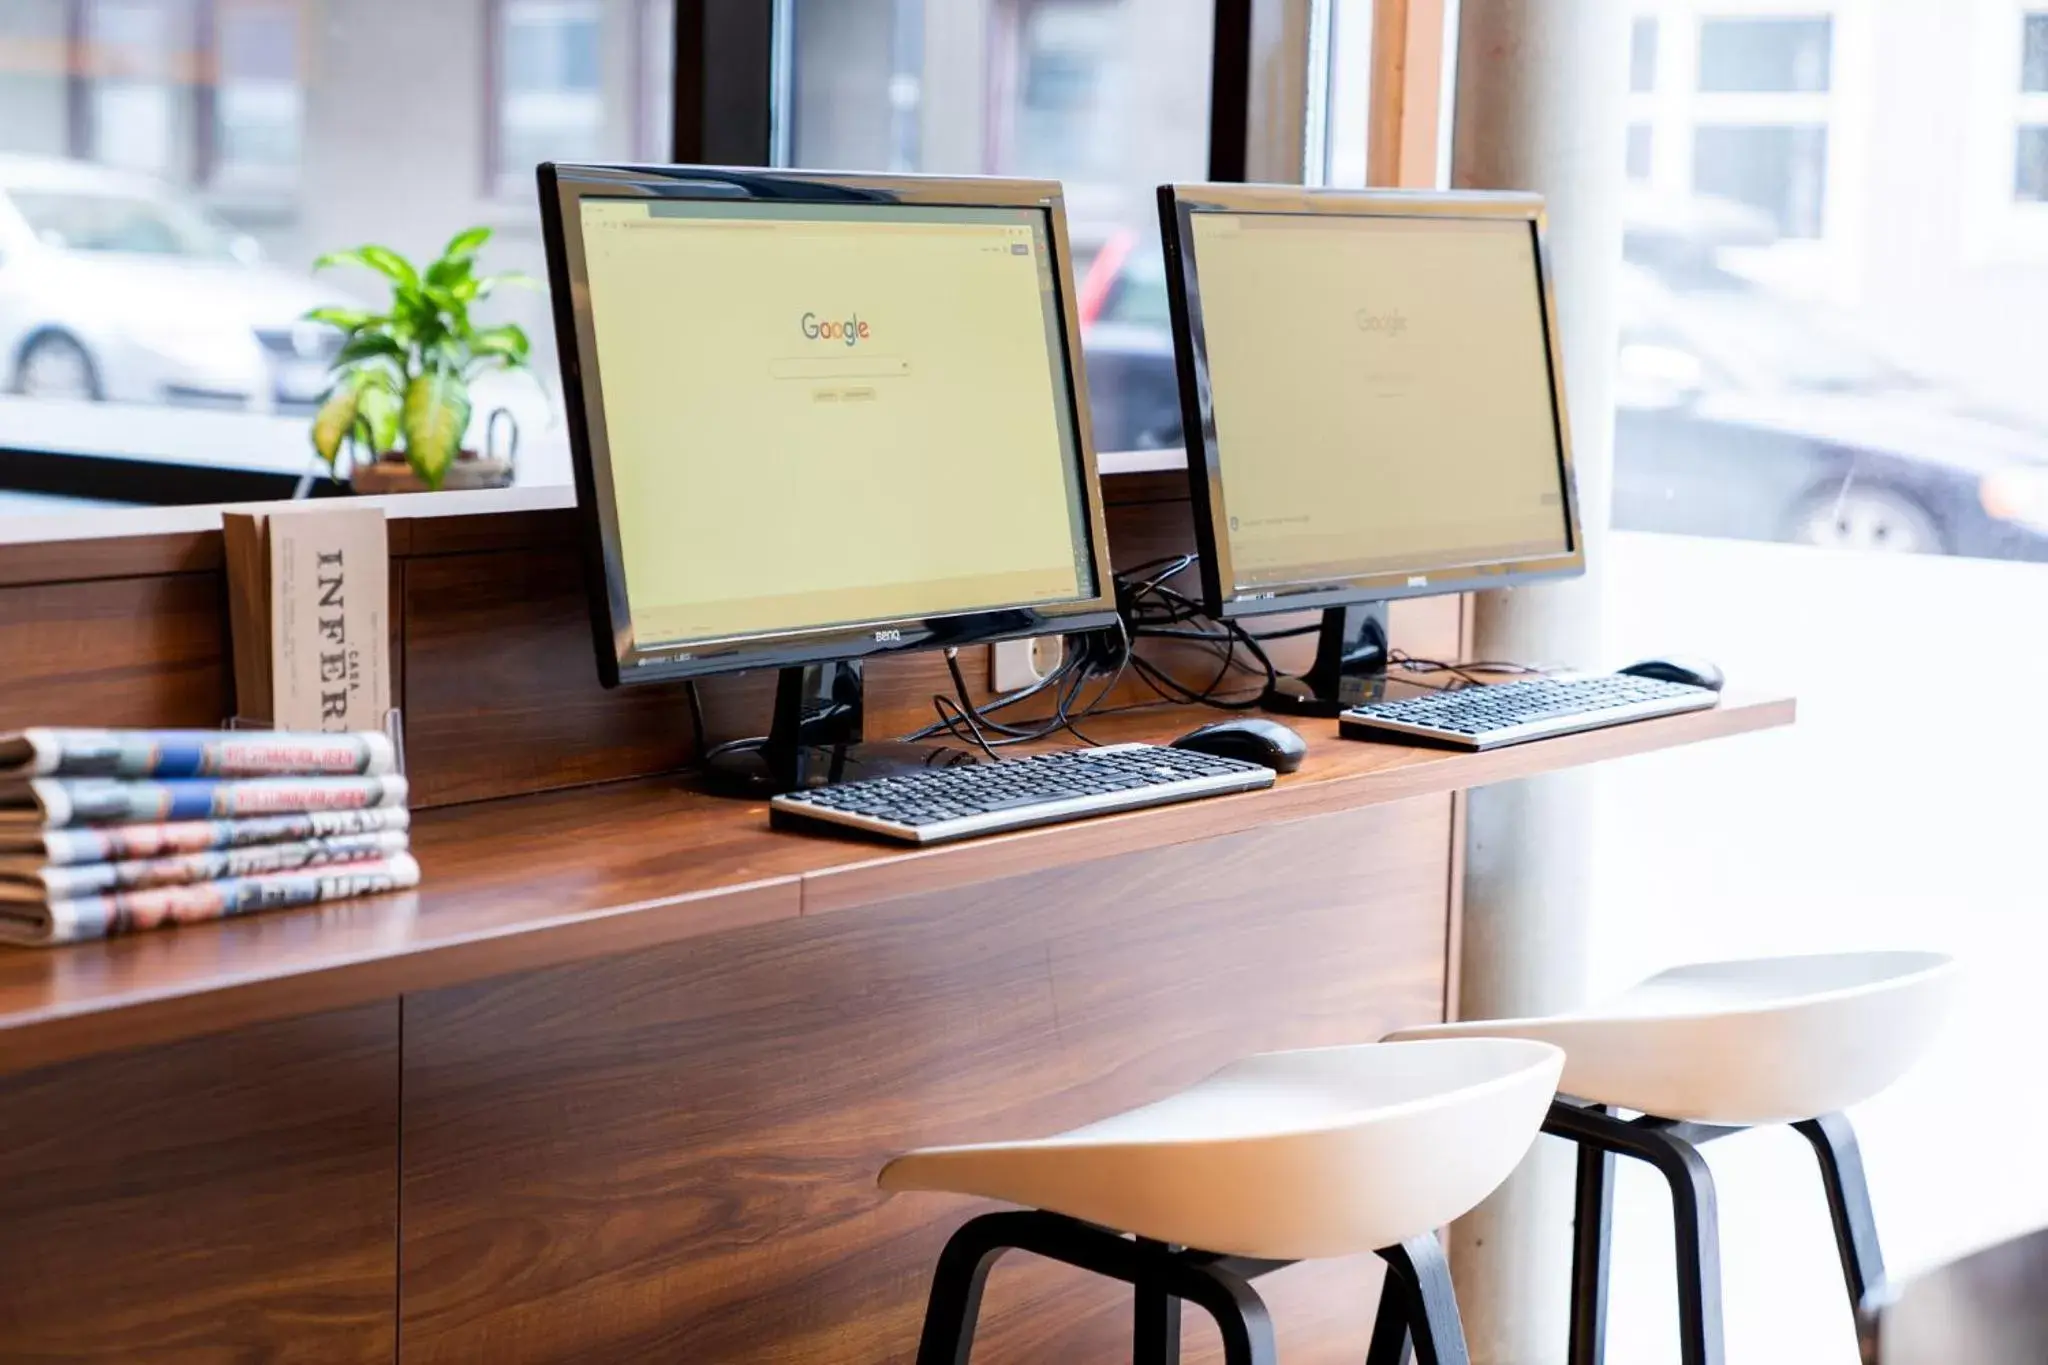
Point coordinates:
[[1769, 1040], [1284, 1155]]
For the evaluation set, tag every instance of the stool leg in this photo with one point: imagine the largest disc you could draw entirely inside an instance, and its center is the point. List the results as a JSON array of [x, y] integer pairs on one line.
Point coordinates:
[[1155, 1335], [1662, 1144], [1239, 1312], [1592, 1228], [1389, 1326], [1841, 1171], [955, 1302], [1420, 1274], [1695, 1222]]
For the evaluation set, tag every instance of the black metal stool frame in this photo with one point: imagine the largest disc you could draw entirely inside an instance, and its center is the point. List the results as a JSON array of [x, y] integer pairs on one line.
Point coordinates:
[[1673, 1148], [1416, 1306]]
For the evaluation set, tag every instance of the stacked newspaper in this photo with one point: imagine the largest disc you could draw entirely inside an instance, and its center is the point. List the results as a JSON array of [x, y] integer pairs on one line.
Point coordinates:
[[109, 831]]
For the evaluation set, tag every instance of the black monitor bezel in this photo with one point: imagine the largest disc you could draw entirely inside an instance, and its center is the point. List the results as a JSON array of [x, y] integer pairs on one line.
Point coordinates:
[[1178, 204], [620, 659]]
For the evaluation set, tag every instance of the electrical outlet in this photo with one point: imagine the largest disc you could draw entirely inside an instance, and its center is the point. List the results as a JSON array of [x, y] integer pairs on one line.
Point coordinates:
[[1014, 665]]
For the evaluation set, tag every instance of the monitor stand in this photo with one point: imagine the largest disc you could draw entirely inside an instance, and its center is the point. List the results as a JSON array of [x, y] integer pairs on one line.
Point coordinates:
[[1350, 666], [815, 739]]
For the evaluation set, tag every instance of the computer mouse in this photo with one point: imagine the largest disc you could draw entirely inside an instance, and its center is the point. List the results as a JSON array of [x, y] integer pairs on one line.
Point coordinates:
[[1679, 669], [1255, 739]]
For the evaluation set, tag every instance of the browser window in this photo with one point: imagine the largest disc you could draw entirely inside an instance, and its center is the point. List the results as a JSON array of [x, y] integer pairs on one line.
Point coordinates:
[[831, 414], [1382, 394]]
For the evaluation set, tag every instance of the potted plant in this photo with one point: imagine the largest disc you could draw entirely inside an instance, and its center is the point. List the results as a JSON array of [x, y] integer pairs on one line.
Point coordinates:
[[398, 403]]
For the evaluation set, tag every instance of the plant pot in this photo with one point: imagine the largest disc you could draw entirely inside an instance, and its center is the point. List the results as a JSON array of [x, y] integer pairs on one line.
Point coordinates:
[[391, 474]]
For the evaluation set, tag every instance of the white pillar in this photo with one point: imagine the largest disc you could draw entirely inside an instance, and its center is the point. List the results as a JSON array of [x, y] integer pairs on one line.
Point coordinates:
[[1540, 105]]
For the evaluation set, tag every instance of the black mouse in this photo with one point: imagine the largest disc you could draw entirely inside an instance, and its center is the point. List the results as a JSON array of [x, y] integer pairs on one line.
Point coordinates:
[[1679, 669], [1255, 739]]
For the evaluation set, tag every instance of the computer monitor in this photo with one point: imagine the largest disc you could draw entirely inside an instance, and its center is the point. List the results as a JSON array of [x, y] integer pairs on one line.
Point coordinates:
[[1371, 394], [819, 417]]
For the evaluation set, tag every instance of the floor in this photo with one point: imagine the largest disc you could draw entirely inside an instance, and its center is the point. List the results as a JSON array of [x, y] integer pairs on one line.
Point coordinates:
[[1873, 822]]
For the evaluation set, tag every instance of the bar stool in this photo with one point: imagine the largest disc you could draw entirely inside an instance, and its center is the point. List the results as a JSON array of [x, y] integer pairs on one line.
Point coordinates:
[[1715, 1048], [1277, 1158]]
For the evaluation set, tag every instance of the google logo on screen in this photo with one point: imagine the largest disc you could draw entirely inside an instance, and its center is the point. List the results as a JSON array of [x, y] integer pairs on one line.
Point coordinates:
[[852, 331]]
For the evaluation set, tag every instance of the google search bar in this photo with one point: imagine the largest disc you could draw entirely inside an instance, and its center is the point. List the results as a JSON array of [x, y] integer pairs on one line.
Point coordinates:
[[838, 367]]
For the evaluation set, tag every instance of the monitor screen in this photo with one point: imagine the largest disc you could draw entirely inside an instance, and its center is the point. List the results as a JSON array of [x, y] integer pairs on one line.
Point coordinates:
[[1381, 392], [822, 415]]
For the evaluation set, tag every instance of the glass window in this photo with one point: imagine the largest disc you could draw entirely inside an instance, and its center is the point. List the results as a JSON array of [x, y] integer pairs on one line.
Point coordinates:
[[169, 170], [257, 102], [1109, 96], [551, 92], [2030, 177], [1641, 142], [1642, 55], [1780, 169], [136, 52], [1766, 55], [2034, 55]]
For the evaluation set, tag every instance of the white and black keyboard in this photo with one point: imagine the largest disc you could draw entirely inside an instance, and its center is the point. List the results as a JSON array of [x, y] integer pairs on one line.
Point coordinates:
[[938, 804], [1487, 717]]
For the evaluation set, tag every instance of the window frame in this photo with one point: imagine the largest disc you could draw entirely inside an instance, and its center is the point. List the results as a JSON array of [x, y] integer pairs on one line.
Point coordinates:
[[1675, 109]]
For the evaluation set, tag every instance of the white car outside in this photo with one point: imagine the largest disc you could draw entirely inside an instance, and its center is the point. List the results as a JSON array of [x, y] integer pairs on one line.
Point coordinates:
[[114, 287]]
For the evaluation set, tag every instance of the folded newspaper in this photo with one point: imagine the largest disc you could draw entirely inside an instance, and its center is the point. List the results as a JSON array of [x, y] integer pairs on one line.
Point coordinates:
[[47, 883], [56, 802], [24, 851], [194, 753], [91, 917]]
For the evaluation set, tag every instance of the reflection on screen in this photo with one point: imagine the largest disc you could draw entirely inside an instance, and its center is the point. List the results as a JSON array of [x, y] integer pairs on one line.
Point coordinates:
[[822, 415], [1381, 391]]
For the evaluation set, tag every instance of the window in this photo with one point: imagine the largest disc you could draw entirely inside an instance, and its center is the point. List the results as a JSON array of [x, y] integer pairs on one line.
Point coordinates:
[[1777, 168], [1642, 55], [2030, 179], [2030, 169], [169, 169], [137, 60], [258, 98], [1739, 109], [550, 87], [1109, 96], [1765, 56], [1641, 143]]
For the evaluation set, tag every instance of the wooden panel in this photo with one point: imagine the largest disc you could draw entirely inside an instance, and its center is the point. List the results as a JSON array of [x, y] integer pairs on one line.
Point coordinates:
[[671, 1155], [73, 561], [501, 689], [120, 651], [227, 1200]]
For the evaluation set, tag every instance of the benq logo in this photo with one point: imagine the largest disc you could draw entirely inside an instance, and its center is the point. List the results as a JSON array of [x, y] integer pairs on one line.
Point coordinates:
[[852, 331], [888, 637], [1382, 324]]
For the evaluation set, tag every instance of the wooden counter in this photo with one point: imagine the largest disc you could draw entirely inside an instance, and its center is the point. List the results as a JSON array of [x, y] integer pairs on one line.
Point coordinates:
[[536, 881]]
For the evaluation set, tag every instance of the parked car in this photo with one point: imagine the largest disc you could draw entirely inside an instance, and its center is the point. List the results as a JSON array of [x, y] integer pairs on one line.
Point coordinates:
[[1739, 413], [115, 287]]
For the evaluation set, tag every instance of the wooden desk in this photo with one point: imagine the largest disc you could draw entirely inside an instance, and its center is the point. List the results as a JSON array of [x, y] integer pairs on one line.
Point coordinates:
[[613, 1085]]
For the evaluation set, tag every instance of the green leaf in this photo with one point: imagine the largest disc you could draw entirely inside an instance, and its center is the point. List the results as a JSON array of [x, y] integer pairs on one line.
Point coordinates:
[[435, 417], [380, 408], [448, 270], [506, 342], [466, 242], [516, 279], [347, 319], [381, 259], [332, 422], [365, 345]]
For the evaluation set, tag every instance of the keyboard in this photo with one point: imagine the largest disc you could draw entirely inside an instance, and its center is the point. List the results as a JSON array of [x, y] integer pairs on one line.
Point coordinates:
[[1489, 716], [937, 804]]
